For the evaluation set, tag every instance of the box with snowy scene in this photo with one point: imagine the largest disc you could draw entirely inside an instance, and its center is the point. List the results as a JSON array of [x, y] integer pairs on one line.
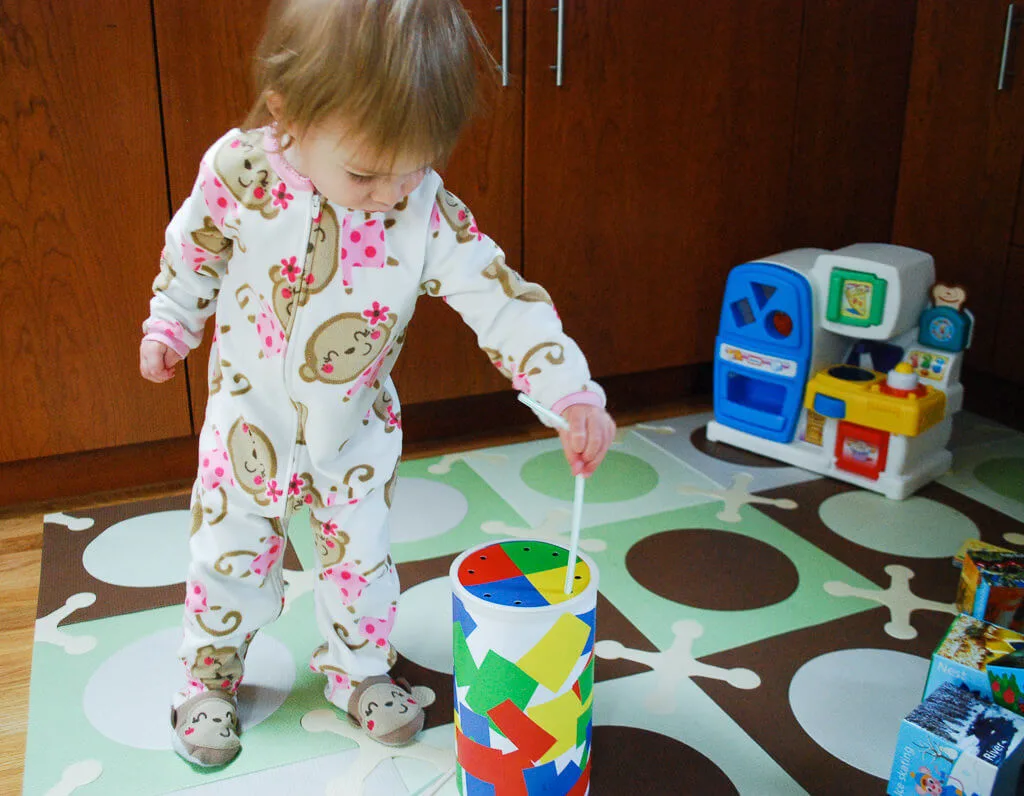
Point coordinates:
[[954, 742], [968, 647]]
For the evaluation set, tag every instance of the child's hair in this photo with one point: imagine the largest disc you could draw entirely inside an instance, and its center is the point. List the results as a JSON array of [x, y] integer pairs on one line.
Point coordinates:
[[401, 74]]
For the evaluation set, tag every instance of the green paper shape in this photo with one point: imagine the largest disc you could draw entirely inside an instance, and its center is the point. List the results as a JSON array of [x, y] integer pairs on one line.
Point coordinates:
[[466, 671], [582, 723], [586, 682], [496, 681]]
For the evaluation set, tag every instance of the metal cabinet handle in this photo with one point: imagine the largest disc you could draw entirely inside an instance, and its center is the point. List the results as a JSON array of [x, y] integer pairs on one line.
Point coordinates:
[[1005, 73], [559, 60], [503, 8]]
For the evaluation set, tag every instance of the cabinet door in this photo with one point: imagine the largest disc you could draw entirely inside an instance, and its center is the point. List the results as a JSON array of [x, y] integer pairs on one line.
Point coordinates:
[[81, 161], [205, 49], [962, 150], [854, 70], [1006, 361], [659, 164], [441, 359]]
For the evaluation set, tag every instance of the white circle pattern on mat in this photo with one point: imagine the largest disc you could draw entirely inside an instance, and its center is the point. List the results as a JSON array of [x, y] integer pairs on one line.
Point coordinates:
[[134, 710], [143, 551], [423, 629], [851, 702], [916, 527], [423, 509]]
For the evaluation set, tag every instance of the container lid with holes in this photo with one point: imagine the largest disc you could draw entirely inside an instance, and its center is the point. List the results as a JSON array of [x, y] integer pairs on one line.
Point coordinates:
[[522, 574]]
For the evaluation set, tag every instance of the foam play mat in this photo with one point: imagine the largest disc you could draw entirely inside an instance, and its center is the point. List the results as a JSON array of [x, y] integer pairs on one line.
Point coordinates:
[[760, 630]]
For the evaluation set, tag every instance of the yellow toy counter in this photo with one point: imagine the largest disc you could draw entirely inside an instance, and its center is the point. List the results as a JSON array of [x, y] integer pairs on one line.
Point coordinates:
[[860, 396]]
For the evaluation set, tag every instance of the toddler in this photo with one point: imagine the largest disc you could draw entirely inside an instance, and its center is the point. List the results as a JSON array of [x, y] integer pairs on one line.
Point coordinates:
[[311, 232]]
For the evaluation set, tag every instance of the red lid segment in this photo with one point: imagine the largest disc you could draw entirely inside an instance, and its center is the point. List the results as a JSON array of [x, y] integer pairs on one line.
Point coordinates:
[[487, 566]]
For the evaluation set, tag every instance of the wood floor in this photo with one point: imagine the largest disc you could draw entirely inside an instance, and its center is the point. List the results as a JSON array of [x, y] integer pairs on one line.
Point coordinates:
[[21, 539]]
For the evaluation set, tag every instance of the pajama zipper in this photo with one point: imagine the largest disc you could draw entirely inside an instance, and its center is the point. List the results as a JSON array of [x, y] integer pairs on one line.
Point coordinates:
[[307, 264]]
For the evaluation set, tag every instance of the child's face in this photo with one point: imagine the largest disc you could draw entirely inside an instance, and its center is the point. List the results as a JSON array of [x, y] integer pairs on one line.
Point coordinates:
[[347, 176]]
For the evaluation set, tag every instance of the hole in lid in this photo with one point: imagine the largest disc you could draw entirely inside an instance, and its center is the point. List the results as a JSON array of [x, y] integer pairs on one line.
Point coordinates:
[[742, 312], [471, 571], [517, 602], [526, 549], [556, 554], [578, 577], [762, 293], [488, 596], [483, 558]]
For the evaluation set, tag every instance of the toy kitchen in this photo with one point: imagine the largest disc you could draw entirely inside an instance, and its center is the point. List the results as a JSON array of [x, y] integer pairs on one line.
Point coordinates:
[[846, 363]]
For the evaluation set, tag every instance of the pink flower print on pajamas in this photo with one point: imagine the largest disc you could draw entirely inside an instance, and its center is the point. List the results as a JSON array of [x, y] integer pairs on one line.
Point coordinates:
[[274, 490], [435, 220], [362, 246], [215, 466], [378, 630], [218, 198], [281, 196], [195, 598], [348, 580], [262, 564]]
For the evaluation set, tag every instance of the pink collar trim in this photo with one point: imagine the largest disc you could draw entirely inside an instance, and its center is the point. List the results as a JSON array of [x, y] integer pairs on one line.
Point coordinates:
[[292, 178]]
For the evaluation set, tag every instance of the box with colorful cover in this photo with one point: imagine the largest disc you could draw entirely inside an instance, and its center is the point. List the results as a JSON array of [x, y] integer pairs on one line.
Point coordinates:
[[966, 650], [955, 743], [1006, 680], [992, 587]]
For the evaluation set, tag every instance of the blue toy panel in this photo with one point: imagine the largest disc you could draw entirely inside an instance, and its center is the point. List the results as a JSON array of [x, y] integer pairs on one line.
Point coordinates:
[[944, 328], [763, 350]]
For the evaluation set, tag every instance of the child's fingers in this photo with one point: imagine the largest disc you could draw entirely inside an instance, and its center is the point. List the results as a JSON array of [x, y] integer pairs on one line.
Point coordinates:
[[602, 434], [578, 432], [156, 361]]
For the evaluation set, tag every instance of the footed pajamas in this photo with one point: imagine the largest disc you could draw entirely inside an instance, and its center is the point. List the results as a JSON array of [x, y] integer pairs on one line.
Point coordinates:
[[312, 303]]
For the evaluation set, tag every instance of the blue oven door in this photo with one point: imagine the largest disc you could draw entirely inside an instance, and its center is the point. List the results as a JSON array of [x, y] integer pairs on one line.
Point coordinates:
[[763, 350]]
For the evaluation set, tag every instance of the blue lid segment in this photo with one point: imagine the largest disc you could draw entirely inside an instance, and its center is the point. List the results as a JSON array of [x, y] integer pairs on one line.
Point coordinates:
[[514, 592]]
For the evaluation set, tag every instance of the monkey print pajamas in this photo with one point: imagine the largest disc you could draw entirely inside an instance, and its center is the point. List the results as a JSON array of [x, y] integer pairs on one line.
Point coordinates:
[[312, 305]]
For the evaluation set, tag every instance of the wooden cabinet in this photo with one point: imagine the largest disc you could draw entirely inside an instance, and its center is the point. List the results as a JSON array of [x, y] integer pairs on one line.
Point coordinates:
[[84, 207], [1007, 360], [655, 167], [686, 139], [959, 183]]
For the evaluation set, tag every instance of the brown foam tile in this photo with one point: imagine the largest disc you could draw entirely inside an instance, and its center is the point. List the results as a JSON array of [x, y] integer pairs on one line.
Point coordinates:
[[934, 578], [62, 573], [765, 712]]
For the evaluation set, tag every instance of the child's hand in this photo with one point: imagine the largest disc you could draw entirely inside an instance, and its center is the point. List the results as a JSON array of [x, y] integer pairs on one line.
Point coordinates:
[[157, 361], [590, 434]]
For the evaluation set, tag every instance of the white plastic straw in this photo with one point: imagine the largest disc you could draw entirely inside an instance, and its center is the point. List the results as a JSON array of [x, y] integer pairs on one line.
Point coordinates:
[[577, 499]]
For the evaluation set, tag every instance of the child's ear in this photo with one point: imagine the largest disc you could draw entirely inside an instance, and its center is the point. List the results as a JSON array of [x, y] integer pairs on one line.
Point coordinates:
[[275, 104]]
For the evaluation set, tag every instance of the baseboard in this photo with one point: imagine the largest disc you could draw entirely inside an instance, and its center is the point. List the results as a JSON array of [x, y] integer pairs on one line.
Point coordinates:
[[429, 427]]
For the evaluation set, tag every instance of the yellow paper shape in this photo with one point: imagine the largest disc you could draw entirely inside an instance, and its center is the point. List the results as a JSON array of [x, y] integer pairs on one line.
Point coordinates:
[[554, 656], [559, 718]]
